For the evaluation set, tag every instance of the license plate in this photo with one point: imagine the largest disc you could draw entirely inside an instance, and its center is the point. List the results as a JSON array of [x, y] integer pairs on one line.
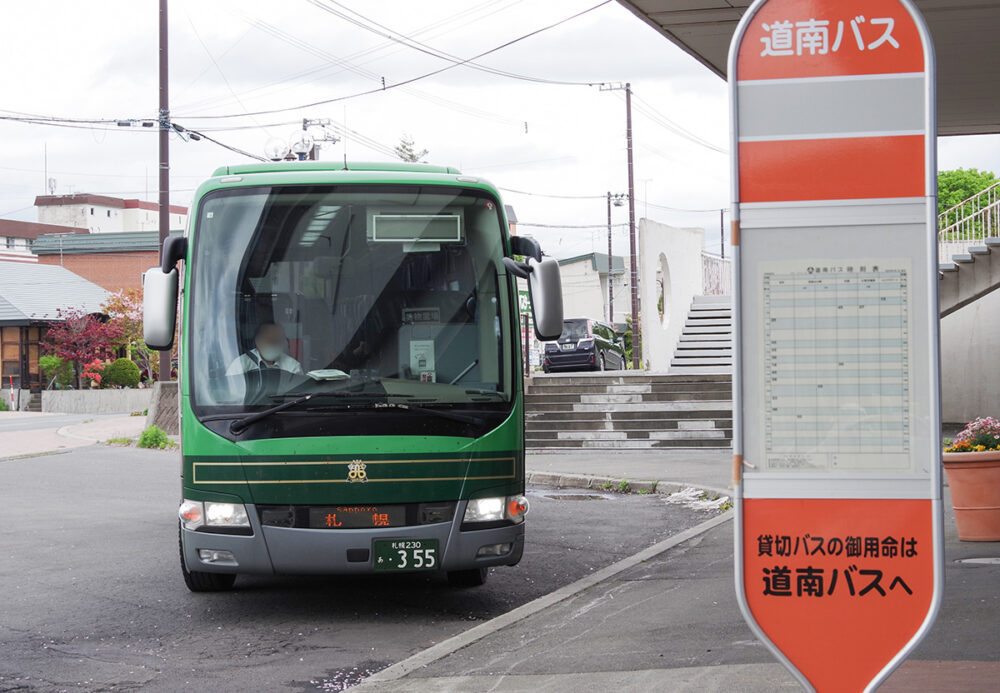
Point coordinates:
[[406, 554], [568, 347]]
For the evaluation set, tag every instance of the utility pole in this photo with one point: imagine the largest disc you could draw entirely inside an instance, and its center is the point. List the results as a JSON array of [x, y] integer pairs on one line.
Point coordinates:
[[636, 322], [164, 122], [611, 286]]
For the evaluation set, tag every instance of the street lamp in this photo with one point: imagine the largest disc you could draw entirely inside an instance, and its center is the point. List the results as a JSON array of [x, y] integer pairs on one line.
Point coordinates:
[[302, 144]]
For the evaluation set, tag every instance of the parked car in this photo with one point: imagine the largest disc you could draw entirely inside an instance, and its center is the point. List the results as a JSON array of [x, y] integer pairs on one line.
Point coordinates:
[[585, 345]]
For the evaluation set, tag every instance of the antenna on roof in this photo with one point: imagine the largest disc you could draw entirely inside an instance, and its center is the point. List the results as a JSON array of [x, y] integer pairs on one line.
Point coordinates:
[[52, 186]]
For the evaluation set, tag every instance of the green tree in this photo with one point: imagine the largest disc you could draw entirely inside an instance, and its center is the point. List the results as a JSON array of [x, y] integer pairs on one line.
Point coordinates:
[[961, 184], [58, 370], [121, 373], [405, 150]]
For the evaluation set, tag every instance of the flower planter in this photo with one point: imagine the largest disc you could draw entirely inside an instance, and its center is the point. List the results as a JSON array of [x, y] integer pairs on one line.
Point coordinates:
[[974, 479]]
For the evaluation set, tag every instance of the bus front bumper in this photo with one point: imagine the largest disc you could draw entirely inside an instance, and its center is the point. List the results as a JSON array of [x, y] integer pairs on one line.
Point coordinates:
[[288, 551]]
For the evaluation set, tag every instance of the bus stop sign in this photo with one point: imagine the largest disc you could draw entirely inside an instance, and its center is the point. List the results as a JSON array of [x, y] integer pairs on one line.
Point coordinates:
[[837, 416]]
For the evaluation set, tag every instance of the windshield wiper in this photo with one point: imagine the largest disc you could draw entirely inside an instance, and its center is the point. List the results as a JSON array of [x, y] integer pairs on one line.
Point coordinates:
[[240, 425], [442, 413]]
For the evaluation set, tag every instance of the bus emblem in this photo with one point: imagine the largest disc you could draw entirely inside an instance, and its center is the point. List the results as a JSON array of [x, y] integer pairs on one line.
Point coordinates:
[[356, 471]]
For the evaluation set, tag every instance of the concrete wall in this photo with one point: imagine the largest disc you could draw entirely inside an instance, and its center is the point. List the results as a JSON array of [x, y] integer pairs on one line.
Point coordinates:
[[970, 376], [163, 411], [96, 401], [675, 255], [21, 399]]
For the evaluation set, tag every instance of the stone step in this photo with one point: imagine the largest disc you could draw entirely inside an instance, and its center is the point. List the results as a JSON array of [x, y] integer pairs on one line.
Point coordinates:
[[677, 434], [702, 300], [560, 380], [652, 388], [708, 329], [539, 426], [650, 397], [703, 353], [709, 314], [708, 361], [707, 322], [694, 346], [683, 405], [715, 338], [630, 444], [595, 418]]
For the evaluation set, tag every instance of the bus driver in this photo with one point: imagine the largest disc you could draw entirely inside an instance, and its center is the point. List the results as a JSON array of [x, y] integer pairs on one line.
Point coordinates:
[[268, 352]]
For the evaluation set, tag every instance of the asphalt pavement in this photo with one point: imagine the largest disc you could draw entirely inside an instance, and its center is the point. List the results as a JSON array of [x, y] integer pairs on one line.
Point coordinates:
[[93, 598], [614, 599]]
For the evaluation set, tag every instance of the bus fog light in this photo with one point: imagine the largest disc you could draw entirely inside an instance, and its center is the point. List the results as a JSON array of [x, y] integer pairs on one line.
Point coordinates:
[[192, 514], [493, 550], [217, 556], [226, 515], [484, 510]]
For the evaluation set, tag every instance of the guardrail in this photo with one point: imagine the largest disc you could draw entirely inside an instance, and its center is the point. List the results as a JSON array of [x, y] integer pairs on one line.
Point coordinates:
[[716, 275], [968, 223]]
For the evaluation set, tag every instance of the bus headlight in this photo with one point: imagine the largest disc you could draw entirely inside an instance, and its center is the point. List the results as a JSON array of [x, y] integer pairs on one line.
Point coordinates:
[[511, 508], [195, 514], [226, 515]]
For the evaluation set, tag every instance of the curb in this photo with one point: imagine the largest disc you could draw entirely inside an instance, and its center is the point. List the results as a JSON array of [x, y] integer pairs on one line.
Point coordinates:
[[444, 648], [601, 483]]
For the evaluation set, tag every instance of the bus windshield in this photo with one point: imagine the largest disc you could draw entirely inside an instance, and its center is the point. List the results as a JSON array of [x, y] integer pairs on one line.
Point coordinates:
[[372, 293]]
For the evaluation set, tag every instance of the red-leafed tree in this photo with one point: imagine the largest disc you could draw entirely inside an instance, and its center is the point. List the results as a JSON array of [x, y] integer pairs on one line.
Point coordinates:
[[80, 338], [124, 310]]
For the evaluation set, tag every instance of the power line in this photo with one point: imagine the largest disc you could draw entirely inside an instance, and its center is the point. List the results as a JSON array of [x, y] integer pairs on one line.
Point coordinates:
[[647, 109], [568, 226], [409, 42], [411, 80], [557, 197], [489, 4]]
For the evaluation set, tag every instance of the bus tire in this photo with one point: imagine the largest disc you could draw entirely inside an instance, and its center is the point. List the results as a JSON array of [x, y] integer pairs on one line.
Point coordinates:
[[474, 577], [198, 581]]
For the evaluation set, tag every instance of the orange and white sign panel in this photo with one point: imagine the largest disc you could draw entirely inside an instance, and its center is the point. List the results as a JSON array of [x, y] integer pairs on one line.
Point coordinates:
[[837, 410]]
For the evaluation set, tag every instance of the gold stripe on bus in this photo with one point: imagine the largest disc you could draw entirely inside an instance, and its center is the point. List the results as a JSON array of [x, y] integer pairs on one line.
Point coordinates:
[[345, 481]]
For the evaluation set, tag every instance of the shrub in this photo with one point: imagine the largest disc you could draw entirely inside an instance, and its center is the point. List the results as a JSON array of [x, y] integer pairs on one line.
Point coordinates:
[[3, 405], [155, 437], [122, 373], [58, 369]]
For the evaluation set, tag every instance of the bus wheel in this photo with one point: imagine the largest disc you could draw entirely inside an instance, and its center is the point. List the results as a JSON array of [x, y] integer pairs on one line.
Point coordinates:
[[468, 578], [198, 581]]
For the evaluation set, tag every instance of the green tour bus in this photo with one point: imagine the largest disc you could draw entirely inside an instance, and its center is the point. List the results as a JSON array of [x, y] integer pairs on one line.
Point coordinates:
[[350, 388]]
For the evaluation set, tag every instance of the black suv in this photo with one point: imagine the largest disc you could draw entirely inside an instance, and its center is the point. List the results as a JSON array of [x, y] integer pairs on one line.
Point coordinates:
[[585, 345]]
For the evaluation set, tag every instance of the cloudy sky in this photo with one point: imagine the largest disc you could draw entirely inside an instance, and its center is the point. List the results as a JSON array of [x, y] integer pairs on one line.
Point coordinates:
[[541, 128]]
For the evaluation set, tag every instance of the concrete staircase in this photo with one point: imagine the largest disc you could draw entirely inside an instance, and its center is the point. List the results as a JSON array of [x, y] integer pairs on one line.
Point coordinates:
[[629, 410], [969, 276], [705, 345]]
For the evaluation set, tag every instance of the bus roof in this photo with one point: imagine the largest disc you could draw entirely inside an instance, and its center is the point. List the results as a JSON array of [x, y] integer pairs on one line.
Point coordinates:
[[299, 166]]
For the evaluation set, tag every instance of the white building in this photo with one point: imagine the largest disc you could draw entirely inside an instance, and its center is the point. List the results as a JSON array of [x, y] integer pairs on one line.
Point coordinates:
[[585, 287], [104, 214]]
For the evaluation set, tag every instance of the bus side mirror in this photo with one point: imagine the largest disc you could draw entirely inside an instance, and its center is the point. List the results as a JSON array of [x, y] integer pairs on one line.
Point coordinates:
[[159, 308], [545, 290]]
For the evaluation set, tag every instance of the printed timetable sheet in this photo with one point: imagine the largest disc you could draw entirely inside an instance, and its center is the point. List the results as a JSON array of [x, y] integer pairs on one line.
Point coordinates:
[[836, 365]]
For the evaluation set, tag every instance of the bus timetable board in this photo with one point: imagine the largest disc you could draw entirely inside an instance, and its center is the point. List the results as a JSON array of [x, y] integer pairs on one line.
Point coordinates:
[[837, 416]]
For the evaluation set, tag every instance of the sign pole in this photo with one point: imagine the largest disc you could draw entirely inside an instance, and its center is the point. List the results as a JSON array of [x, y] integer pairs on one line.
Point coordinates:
[[837, 427]]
